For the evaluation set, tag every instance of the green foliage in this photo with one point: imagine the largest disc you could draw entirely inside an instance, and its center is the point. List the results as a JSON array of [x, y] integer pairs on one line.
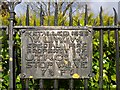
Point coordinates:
[[4, 19], [109, 73], [5, 59]]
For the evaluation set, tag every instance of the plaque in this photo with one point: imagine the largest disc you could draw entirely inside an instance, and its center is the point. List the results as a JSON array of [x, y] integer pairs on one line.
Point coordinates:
[[60, 53]]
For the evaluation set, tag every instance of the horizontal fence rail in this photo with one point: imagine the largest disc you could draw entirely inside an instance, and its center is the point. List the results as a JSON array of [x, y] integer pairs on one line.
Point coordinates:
[[95, 28]]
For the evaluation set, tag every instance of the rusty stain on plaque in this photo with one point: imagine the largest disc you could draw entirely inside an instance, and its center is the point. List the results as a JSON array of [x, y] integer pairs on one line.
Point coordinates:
[[56, 53]]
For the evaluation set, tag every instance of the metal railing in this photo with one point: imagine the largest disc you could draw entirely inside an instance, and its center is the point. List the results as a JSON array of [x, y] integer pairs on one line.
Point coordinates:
[[13, 55]]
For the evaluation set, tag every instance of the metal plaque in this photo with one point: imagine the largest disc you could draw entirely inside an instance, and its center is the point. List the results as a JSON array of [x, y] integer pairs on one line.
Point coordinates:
[[55, 52]]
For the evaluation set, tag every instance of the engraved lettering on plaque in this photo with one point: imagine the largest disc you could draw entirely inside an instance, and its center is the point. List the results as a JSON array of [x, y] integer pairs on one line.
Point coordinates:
[[56, 53]]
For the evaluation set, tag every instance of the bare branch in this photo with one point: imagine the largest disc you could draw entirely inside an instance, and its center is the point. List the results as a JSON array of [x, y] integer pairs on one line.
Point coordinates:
[[68, 6], [60, 6]]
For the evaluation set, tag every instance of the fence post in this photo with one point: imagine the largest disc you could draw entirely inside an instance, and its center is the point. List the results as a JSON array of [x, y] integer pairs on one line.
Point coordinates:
[[56, 15], [117, 52], [71, 81], [101, 52], [41, 15], [86, 16], [70, 17], [108, 32], [11, 61], [12, 14], [41, 81], [27, 24], [85, 23], [56, 24], [27, 16]]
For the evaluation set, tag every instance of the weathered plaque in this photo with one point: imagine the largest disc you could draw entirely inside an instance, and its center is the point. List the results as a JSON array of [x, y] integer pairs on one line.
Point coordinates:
[[56, 52]]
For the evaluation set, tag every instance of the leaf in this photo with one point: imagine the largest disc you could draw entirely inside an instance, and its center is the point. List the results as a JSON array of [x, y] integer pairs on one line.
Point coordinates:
[[113, 77], [31, 77], [17, 37], [75, 75]]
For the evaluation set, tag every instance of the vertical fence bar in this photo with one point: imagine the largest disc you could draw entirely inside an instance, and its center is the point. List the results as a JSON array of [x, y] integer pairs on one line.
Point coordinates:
[[27, 24], [56, 24], [55, 84], [86, 16], [108, 33], [1, 60], [109, 80], [49, 13], [108, 23], [41, 84], [27, 16], [101, 53], [63, 22], [41, 23], [85, 84], [34, 22], [71, 82], [70, 17], [85, 23], [35, 81], [1, 53], [21, 79], [11, 25], [78, 22], [41, 15], [14, 62], [71, 86], [18, 55], [56, 15], [20, 23], [117, 52]]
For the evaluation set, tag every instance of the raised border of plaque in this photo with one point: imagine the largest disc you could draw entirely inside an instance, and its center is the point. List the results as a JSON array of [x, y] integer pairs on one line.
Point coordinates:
[[56, 52]]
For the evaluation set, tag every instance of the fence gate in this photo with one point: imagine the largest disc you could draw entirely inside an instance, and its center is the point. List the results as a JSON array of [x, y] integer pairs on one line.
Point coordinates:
[[55, 54]]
